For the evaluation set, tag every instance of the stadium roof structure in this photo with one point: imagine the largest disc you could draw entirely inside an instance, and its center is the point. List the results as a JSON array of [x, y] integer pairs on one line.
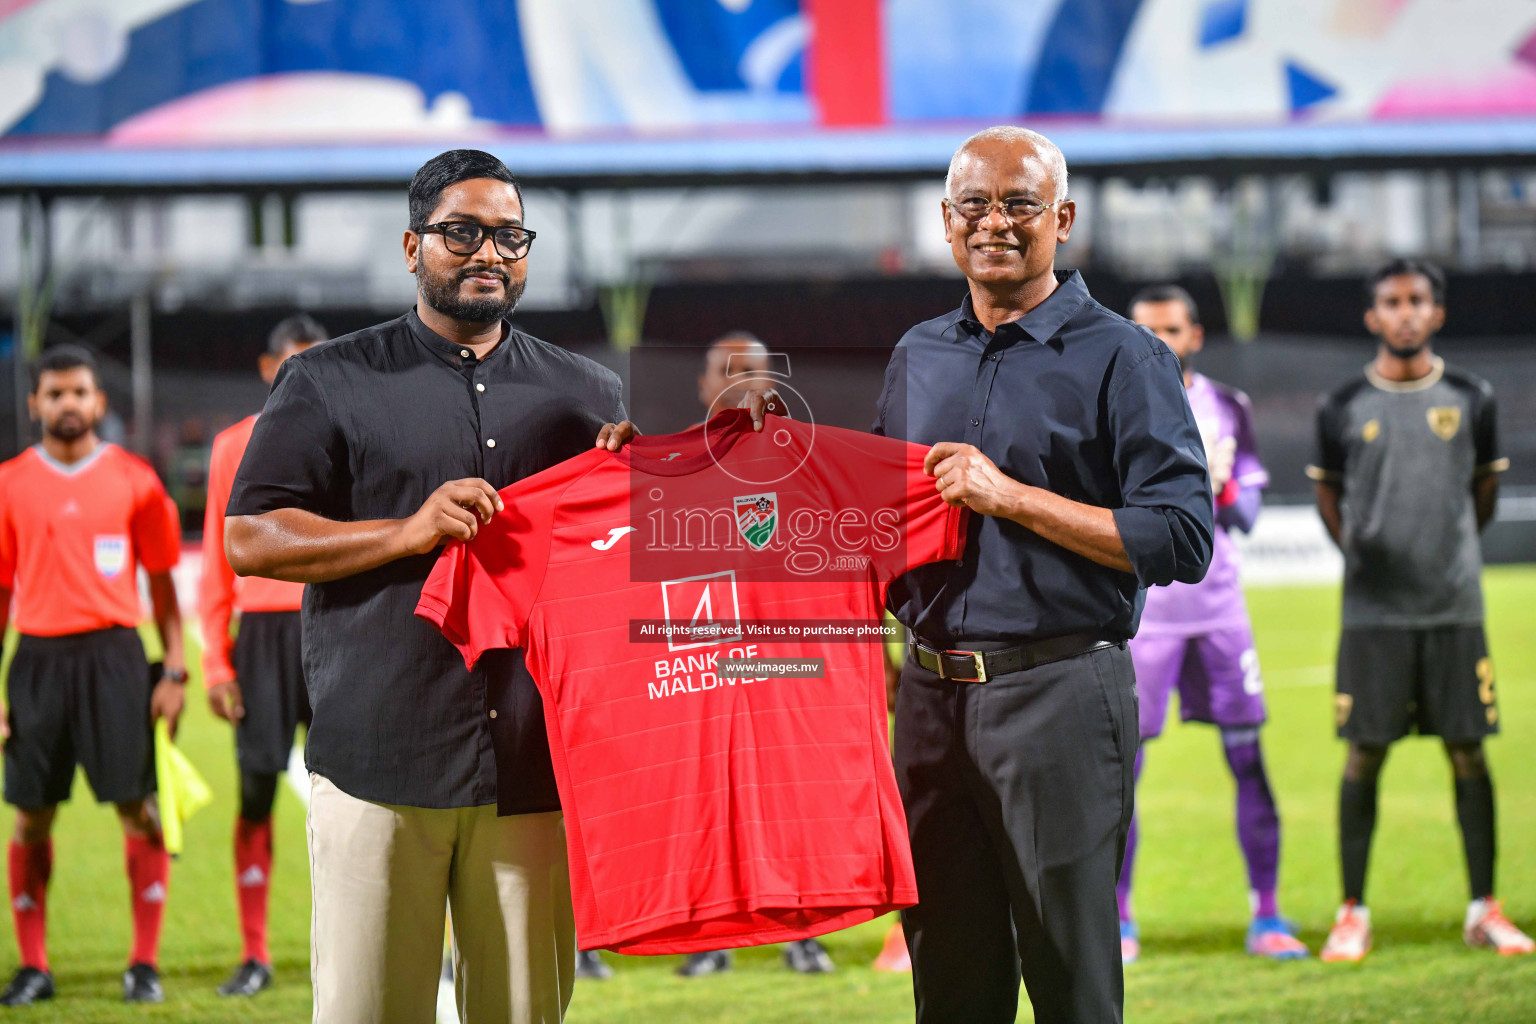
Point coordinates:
[[63, 166]]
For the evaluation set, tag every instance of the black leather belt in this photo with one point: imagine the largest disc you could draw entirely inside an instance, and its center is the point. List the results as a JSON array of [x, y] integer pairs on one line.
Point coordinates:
[[964, 666]]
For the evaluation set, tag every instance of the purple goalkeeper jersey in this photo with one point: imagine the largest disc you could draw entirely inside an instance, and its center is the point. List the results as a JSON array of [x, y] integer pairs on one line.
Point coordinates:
[[1216, 602]]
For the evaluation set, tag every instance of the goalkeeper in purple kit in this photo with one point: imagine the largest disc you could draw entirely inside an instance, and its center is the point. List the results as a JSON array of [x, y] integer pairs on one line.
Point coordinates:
[[1196, 637]]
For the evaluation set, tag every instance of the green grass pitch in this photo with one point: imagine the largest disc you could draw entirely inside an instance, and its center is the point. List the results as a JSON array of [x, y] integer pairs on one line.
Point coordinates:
[[1191, 894]]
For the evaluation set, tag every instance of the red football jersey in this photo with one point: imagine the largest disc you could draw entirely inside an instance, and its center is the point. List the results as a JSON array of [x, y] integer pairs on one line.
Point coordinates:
[[219, 591], [701, 811], [72, 536]]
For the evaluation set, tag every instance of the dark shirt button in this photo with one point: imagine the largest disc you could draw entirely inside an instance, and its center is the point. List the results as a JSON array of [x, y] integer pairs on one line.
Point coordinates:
[[975, 422]]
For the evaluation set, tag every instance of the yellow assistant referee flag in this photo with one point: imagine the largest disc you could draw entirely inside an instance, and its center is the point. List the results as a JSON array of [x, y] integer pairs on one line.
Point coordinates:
[[183, 792]]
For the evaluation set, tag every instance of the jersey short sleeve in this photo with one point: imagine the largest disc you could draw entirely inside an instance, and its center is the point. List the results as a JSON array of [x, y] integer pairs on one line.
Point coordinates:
[[481, 593], [296, 454], [7, 536], [1485, 432], [866, 475], [156, 525]]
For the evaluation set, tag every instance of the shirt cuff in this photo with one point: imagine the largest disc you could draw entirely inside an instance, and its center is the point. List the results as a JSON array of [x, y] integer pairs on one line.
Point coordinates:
[[1148, 544]]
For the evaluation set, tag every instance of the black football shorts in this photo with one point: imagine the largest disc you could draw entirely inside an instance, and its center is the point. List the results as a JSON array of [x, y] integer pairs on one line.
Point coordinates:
[[1436, 681], [269, 665], [79, 699]]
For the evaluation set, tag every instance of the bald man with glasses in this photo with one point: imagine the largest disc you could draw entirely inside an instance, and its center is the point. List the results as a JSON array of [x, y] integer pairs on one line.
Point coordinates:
[[1066, 428]]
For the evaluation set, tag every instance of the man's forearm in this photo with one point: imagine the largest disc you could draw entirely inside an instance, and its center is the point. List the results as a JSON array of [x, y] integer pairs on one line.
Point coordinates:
[[301, 547], [1085, 530], [167, 613], [1485, 498], [1328, 508]]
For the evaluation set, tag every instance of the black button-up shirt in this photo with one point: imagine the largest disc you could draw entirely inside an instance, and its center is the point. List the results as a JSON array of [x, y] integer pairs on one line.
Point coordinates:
[[1079, 401], [366, 427]]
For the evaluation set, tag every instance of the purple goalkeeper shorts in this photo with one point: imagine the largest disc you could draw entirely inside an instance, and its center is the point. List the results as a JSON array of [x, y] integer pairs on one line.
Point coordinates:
[[1217, 676]]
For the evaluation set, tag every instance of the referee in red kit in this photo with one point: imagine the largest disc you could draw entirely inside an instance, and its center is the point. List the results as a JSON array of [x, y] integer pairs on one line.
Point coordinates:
[[78, 517], [255, 681]]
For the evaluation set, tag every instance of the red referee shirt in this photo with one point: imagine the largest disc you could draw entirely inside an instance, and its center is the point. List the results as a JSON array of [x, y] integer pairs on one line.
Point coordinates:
[[220, 592], [72, 537], [703, 811]]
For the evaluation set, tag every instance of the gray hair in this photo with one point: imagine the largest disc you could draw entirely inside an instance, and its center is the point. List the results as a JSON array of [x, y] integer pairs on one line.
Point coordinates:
[[1047, 151]]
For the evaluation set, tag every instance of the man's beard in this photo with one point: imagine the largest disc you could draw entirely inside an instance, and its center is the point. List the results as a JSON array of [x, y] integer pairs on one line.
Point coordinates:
[[442, 294], [68, 428], [1406, 353], [1186, 363]]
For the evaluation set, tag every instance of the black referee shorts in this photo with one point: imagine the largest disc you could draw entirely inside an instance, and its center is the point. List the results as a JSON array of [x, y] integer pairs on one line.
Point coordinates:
[[79, 699], [269, 664], [1435, 681], [1018, 795]]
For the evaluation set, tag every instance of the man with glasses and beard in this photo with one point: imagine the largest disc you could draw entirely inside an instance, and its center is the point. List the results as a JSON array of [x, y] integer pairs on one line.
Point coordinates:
[[78, 517], [432, 782]]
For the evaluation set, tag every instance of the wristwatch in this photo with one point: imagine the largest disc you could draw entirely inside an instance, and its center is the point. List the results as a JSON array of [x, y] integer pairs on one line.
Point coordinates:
[[175, 675]]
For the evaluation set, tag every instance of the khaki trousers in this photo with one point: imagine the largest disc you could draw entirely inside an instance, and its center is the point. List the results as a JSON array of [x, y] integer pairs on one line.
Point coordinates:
[[381, 877]]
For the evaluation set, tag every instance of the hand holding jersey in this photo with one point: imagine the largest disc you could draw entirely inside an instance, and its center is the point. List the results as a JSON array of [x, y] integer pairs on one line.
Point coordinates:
[[455, 511]]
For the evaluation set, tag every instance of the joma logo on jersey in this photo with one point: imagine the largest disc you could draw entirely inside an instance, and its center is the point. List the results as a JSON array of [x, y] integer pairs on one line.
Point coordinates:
[[757, 517], [701, 611]]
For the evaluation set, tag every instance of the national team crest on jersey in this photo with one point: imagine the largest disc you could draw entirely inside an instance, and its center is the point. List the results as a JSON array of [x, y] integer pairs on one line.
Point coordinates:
[[757, 517], [111, 555], [1445, 420]]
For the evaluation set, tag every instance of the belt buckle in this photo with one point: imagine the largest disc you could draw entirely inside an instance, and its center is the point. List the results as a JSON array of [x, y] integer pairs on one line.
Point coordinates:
[[978, 659]]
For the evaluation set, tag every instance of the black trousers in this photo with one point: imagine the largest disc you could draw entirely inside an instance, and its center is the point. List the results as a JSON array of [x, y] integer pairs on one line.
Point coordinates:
[[1018, 795]]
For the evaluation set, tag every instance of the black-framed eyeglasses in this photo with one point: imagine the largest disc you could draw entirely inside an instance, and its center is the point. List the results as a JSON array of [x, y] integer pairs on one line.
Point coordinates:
[[1016, 209], [465, 237]]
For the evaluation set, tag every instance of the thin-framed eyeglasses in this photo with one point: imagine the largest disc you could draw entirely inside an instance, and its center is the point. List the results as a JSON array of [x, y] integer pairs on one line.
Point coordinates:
[[1018, 210], [465, 237]]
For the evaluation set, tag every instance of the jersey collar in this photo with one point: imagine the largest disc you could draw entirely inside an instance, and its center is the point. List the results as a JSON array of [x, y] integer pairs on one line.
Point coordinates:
[[690, 450], [67, 468], [1425, 382]]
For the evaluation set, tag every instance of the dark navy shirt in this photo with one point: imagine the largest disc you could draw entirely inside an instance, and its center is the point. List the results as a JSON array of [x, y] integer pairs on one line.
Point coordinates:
[[1083, 403], [366, 427]]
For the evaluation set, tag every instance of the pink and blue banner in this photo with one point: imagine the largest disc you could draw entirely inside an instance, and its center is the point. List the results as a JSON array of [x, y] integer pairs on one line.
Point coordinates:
[[150, 75]]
